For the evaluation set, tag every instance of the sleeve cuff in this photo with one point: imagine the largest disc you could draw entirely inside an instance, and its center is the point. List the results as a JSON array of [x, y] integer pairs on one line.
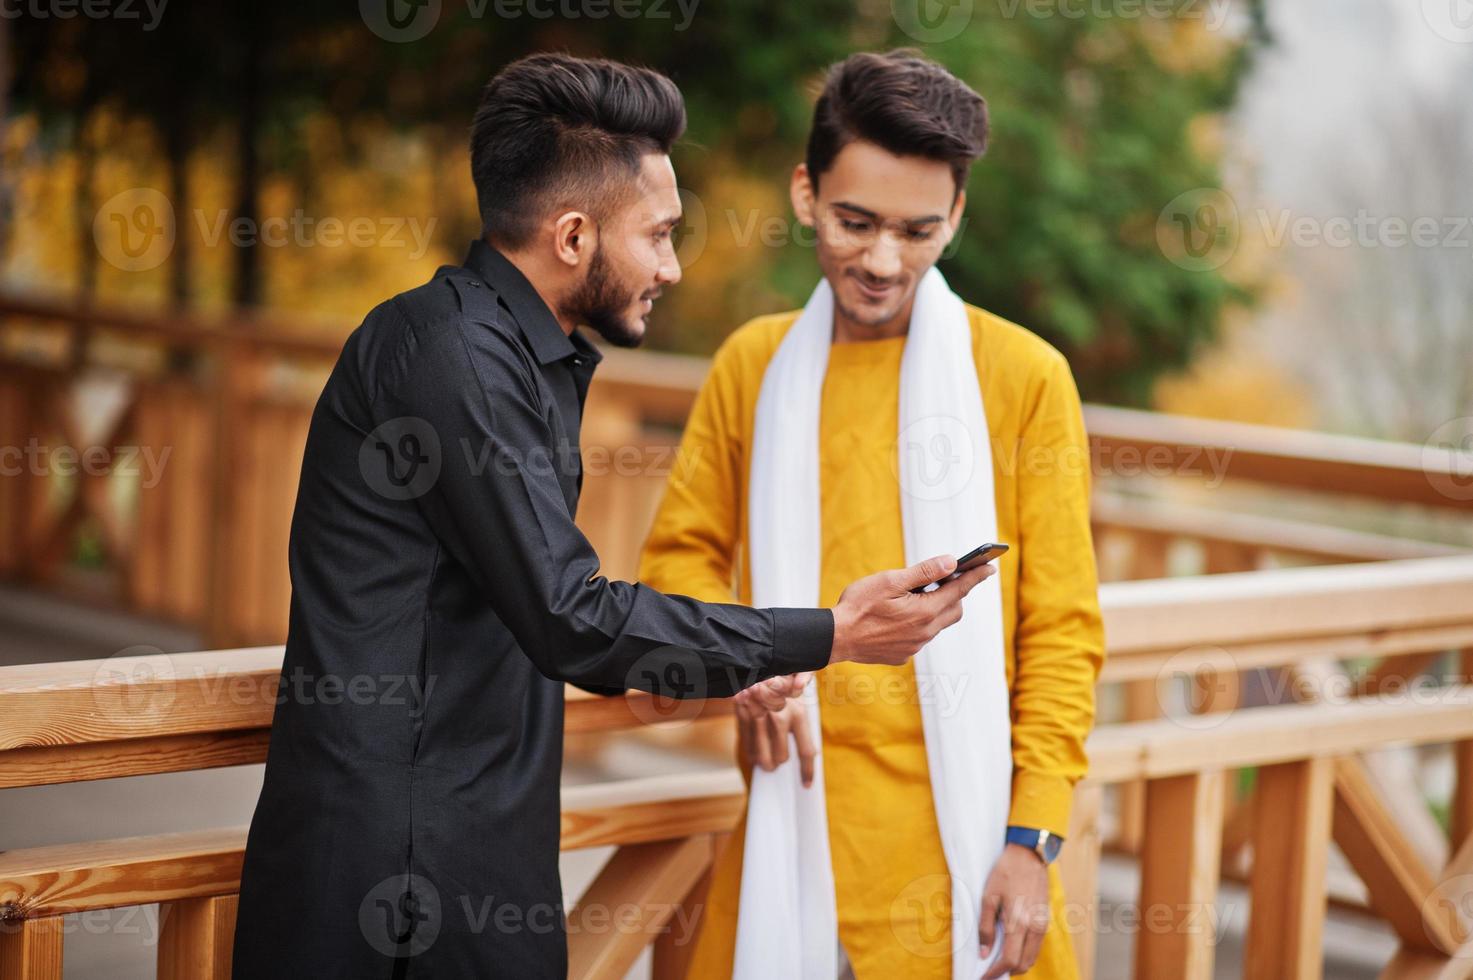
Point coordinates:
[[1041, 802], [802, 639]]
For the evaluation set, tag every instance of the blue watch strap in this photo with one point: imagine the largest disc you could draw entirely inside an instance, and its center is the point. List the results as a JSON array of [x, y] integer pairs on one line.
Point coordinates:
[[1029, 837]]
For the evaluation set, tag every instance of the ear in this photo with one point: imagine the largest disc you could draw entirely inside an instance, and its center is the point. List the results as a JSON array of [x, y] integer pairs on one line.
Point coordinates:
[[953, 220], [800, 191], [574, 238]]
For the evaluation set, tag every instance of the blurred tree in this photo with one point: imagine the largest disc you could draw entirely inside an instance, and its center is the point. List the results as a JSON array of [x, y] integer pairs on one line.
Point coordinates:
[[1094, 123]]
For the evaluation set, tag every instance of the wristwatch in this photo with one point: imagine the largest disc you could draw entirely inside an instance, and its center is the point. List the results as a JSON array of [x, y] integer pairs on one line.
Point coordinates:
[[1040, 842]]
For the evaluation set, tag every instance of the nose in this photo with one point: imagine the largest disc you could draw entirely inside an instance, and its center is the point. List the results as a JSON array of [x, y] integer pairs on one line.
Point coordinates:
[[668, 274], [882, 259]]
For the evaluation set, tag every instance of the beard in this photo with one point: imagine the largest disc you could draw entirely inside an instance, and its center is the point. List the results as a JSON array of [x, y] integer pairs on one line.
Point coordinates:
[[603, 304]]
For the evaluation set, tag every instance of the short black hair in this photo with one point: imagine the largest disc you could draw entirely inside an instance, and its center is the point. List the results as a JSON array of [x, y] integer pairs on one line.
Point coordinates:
[[554, 130], [904, 103]]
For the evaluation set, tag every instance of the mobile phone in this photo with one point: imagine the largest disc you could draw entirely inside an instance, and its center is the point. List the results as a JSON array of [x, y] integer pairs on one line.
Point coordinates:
[[977, 556]]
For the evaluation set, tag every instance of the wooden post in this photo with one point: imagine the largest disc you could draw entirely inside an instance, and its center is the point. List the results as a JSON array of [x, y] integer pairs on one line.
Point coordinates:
[[1460, 824], [1079, 868], [197, 939], [629, 902], [31, 949], [1180, 860], [673, 949], [1291, 846]]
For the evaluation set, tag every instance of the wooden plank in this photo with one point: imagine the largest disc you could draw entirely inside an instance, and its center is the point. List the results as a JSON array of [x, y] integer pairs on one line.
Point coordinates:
[[1460, 823], [1411, 964], [197, 938], [137, 697], [31, 949], [1373, 843], [1079, 869], [1291, 847], [46, 765], [1180, 861], [631, 903], [1283, 457], [1286, 603], [55, 880]]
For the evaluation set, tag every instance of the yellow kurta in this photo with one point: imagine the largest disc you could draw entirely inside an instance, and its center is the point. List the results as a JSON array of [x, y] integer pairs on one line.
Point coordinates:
[[890, 879]]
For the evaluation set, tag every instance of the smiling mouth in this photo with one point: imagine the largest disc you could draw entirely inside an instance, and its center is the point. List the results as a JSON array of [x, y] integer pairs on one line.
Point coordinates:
[[874, 293]]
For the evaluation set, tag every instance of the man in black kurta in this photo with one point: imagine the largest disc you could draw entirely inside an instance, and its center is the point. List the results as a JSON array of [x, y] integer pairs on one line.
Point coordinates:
[[413, 730]]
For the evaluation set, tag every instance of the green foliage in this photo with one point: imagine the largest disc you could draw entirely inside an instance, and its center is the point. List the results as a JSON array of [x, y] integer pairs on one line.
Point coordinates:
[[1090, 130]]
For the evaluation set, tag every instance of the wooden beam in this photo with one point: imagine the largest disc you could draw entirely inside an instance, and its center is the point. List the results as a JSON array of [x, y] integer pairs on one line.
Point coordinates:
[[1079, 869], [197, 939], [1211, 449], [45, 765], [1460, 823], [1373, 843], [630, 903], [1291, 846], [1180, 861], [30, 949]]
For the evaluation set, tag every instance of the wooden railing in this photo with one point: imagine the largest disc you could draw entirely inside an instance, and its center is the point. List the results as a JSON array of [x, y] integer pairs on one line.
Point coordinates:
[[203, 539], [1317, 781]]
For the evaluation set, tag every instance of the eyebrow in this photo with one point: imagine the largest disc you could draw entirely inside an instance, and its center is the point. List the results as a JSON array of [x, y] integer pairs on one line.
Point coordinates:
[[672, 221], [929, 219]]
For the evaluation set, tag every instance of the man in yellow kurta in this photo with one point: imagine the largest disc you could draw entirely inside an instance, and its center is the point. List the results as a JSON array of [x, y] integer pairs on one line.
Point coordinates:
[[894, 136]]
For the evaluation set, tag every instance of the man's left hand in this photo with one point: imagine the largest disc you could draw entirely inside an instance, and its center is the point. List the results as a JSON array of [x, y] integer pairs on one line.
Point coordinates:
[[1016, 900]]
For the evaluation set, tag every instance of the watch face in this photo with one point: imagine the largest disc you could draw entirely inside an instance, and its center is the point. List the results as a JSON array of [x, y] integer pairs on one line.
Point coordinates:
[[1051, 848]]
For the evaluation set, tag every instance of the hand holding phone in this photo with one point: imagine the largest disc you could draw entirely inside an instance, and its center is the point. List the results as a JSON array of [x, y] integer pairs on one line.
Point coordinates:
[[977, 556]]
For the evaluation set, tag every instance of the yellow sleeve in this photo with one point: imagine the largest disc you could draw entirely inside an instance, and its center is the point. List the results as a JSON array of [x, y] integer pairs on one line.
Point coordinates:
[[1060, 640], [691, 549]]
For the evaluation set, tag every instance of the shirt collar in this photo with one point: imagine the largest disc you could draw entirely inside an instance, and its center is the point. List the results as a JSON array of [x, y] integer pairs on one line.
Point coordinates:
[[536, 321]]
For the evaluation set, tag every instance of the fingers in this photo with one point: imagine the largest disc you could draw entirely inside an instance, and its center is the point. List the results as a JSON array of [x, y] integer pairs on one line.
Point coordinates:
[[1032, 944], [762, 745], [777, 734], [922, 573], [807, 751], [1014, 933], [954, 590], [771, 694], [987, 928]]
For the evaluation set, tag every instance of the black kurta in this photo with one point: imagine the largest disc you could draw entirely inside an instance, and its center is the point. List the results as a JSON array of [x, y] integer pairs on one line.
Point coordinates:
[[441, 596]]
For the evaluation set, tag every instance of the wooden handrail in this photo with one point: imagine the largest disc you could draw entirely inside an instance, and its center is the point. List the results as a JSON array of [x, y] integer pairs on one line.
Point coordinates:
[[1283, 457], [168, 713]]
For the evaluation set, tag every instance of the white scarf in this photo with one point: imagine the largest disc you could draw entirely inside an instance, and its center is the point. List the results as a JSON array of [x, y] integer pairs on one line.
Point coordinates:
[[787, 924]]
